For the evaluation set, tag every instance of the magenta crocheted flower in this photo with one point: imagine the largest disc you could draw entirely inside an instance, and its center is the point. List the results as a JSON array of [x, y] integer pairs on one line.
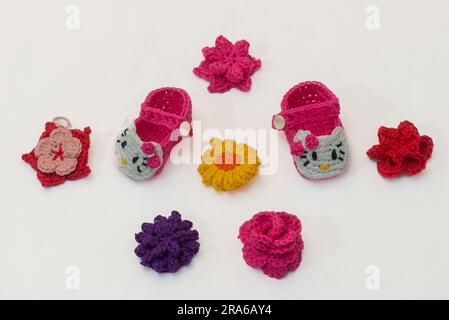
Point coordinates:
[[227, 66], [272, 242]]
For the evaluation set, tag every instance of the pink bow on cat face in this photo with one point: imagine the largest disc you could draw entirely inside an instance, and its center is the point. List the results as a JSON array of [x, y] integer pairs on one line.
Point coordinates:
[[311, 142], [297, 148], [147, 148], [153, 160]]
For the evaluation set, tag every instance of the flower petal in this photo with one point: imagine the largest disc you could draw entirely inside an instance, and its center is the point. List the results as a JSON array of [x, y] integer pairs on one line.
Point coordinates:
[[72, 148], [407, 132], [389, 167], [66, 166], [203, 70], [241, 48], [245, 85], [44, 147], [219, 84], [212, 55], [375, 152], [414, 163], [61, 135], [223, 44], [388, 135], [426, 146], [253, 257], [47, 164]]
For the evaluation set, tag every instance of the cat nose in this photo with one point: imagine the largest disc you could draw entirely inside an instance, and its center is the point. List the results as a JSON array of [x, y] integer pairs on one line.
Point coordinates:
[[324, 166]]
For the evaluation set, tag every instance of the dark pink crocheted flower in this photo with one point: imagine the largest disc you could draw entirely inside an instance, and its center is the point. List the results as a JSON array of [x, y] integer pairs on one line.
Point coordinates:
[[272, 242], [227, 66]]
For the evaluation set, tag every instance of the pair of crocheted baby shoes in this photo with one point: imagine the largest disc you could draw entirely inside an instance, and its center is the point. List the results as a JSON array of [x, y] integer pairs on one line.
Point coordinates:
[[309, 119], [144, 146]]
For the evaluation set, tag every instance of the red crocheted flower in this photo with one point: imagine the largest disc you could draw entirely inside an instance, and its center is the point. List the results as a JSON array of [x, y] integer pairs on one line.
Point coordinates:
[[61, 154], [401, 150], [227, 66], [272, 242]]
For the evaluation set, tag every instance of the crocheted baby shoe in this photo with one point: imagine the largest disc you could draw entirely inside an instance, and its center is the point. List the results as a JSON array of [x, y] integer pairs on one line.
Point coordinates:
[[144, 146], [61, 154], [311, 123], [272, 242], [227, 66], [227, 165], [401, 150], [167, 244]]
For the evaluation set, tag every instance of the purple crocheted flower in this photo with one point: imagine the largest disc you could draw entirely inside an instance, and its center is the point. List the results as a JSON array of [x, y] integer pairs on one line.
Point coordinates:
[[167, 244]]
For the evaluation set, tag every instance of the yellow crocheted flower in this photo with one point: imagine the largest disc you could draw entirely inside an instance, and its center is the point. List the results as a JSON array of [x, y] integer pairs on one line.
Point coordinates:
[[228, 165]]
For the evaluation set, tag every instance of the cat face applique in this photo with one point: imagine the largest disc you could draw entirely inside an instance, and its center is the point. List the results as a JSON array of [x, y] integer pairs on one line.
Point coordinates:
[[320, 157], [138, 160]]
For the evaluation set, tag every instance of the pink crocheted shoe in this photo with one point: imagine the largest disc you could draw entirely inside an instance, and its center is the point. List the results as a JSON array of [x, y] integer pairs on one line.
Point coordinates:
[[311, 123], [143, 147]]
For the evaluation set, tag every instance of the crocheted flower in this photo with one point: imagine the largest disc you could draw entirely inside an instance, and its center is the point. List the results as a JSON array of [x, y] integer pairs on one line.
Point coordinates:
[[61, 154], [401, 150], [58, 152], [227, 66], [228, 165], [272, 242], [167, 244]]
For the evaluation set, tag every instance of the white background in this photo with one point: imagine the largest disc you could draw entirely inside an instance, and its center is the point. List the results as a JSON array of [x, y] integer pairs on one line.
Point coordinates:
[[98, 75]]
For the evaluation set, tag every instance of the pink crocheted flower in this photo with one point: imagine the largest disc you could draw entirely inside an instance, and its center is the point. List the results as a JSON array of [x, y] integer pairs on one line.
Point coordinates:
[[58, 153], [227, 66], [272, 242]]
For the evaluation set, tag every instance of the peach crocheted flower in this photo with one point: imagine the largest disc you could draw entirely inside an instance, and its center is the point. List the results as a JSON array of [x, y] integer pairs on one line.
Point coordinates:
[[58, 153], [228, 165], [227, 66], [272, 242]]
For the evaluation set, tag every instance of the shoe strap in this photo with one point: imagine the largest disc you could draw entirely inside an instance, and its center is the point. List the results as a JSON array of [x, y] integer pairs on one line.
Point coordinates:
[[303, 117], [169, 120]]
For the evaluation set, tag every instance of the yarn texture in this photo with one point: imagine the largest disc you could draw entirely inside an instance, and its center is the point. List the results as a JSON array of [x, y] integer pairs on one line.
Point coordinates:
[[143, 147], [227, 66], [61, 154], [310, 120], [228, 165], [401, 150], [272, 242], [167, 244]]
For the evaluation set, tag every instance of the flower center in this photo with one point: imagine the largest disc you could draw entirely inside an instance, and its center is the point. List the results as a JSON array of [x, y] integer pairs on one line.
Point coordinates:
[[227, 161], [58, 153]]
